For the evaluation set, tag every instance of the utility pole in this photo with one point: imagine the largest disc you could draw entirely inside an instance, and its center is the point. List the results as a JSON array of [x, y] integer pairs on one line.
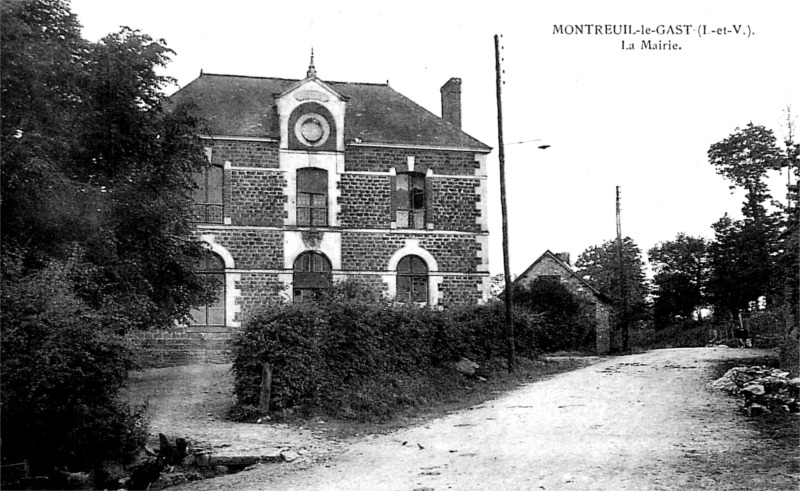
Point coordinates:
[[623, 290], [501, 156]]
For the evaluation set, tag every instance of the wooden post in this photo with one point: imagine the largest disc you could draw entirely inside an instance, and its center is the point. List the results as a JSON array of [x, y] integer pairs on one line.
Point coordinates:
[[510, 343], [266, 389], [623, 290]]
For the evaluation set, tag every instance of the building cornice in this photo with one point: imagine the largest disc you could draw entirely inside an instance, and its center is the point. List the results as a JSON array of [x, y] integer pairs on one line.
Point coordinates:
[[394, 231], [240, 138], [405, 146]]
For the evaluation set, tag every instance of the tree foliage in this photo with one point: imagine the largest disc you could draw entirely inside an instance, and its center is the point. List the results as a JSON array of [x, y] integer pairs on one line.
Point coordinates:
[[681, 273], [744, 254], [561, 321], [745, 157], [93, 166], [600, 266], [95, 186]]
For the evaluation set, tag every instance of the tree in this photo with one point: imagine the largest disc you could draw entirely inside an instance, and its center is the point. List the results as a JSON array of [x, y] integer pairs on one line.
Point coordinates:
[[599, 265], [95, 186], [681, 271], [745, 158], [94, 170], [743, 256], [498, 284]]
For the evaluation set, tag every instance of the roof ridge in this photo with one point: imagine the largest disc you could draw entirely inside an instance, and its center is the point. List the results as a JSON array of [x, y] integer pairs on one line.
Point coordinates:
[[249, 76], [260, 77]]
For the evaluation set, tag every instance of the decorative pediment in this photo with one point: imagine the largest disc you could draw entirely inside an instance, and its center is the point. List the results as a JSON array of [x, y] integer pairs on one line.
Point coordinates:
[[311, 116]]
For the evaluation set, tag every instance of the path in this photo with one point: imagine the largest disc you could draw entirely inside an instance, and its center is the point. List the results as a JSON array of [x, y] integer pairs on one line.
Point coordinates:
[[640, 422]]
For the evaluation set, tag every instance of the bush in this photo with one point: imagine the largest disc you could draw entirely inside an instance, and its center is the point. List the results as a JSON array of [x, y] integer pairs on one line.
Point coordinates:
[[790, 353], [688, 334], [356, 355], [554, 319], [766, 327], [62, 369]]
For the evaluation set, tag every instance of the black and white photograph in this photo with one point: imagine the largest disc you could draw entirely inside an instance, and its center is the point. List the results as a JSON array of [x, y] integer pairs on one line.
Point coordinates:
[[413, 246]]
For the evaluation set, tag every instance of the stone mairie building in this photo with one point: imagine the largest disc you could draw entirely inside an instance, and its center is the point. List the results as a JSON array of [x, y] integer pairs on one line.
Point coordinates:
[[315, 181]]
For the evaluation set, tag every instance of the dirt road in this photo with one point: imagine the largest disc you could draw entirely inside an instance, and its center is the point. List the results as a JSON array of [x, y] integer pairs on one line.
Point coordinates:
[[640, 422]]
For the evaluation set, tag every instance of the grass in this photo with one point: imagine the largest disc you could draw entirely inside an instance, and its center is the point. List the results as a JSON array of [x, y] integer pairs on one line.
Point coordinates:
[[470, 392]]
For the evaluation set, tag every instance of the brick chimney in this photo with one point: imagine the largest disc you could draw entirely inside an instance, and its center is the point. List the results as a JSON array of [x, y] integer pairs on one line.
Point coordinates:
[[563, 257], [451, 101]]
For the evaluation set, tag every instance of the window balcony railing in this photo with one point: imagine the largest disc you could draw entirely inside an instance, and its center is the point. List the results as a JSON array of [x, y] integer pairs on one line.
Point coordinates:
[[208, 213]]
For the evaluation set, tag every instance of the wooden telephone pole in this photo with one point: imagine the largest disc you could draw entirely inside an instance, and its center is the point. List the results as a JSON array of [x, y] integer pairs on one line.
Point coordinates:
[[502, 157], [623, 290]]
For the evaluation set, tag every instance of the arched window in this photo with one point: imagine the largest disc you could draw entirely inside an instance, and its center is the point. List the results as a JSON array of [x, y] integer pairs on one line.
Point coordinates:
[[410, 200], [208, 195], [211, 270], [312, 272], [412, 280], [312, 197]]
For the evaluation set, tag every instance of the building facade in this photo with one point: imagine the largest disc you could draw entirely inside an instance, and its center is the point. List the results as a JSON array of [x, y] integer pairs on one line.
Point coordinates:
[[312, 182], [557, 267]]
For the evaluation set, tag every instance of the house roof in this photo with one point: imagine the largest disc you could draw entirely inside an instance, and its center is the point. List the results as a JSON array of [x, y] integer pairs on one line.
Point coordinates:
[[240, 106], [566, 267]]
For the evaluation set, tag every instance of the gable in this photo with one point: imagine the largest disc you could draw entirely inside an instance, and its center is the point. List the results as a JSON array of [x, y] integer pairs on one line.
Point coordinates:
[[548, 264]]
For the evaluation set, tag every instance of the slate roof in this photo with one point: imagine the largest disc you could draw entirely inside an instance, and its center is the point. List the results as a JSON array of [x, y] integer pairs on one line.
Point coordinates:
[[239, 106]]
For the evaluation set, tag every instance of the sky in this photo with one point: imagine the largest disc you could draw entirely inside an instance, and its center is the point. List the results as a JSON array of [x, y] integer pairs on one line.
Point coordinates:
[[638, 119]]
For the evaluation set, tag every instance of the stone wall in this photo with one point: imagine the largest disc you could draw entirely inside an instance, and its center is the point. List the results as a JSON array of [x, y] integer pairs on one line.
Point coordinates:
[[181, 346], [250, 248], [255, 198], [443, 162], [366, 201], [461, 291], [244, 153], [257, 288], [372, 251], [455, 204]]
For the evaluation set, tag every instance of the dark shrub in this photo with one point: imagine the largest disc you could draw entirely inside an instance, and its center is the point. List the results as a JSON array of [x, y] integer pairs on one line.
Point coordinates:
[[685, 334], [556, 319], [62, 369], [351, 353], [288, 337]]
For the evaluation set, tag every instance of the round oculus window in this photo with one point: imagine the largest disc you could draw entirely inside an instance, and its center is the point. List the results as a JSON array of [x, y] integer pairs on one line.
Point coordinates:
[[312, 130]]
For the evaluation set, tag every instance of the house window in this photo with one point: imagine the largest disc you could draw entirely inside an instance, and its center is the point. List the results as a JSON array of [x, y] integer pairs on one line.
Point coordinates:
[[410, 200], [412, 280], [312, 273], [312, 197], [211, 270], [208, 195]]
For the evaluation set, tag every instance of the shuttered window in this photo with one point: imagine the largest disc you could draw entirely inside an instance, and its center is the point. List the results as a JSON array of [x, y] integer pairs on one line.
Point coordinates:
[[410, 201], [208, 195]]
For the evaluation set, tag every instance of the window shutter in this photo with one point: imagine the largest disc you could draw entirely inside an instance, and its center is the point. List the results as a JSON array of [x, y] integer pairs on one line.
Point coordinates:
[[429, 216], [393, 200], [215, 180]]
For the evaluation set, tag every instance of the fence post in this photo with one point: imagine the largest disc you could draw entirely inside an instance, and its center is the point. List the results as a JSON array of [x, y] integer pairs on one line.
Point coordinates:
[[266, 389]]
